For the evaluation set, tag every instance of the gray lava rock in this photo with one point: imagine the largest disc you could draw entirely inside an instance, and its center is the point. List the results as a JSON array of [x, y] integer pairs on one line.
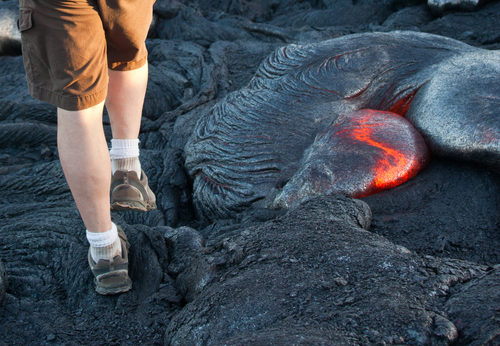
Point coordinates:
[[191, 25], [479, 28], [445, 329], [10, 37], [448, 210], [3, 283], [289, 336], [425, 213], [54, 276], [186, 245], [438, 7], [318, 268], [432, 107], [474, 309], [409, 18], [338, 14]]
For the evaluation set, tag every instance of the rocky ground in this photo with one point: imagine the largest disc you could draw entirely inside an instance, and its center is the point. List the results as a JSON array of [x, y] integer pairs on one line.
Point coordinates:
[[414, 265]]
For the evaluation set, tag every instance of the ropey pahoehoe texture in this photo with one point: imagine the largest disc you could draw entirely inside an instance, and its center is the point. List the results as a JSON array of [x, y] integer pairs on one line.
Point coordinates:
[[255, 146], [414, 265]]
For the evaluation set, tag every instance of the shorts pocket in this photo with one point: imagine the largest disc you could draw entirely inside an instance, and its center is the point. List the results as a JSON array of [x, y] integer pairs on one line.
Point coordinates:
[[24, 22]]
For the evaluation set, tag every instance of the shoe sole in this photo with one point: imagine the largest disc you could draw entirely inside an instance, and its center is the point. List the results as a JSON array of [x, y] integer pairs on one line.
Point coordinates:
[[132, 206], [117, 275], [114, 279]]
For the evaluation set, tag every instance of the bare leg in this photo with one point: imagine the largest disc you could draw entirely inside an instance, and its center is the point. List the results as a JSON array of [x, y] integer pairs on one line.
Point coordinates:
[[85, 160], [126, 92], [83, 149]]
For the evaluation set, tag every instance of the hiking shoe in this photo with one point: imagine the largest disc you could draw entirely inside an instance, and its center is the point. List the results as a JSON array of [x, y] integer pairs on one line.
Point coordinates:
[[128, 192], [111, 277]]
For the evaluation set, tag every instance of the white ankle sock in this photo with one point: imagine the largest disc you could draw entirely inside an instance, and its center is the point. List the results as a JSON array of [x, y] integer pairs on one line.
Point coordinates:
[[128, 164], [124, 155], [124, 148], [104, 245]]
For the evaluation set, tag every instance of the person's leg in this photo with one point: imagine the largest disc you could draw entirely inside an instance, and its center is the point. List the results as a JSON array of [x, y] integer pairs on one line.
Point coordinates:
[[68, 37], [125, 99], [126, 25], [124, 102], [85, 160]]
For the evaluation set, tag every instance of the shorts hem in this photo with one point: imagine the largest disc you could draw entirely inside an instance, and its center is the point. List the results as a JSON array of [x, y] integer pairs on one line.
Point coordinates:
[[128, 66], [71, 103]]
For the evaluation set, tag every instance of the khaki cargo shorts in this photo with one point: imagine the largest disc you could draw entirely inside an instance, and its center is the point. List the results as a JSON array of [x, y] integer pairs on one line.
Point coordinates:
[[68, 46]]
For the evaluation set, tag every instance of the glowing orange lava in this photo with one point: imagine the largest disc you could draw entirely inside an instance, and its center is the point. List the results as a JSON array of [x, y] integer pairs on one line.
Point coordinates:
[[392, 166], [401, 106]]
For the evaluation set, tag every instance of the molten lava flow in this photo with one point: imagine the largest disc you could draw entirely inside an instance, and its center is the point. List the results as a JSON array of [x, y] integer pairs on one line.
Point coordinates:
[[395, 159], [401, 106]]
